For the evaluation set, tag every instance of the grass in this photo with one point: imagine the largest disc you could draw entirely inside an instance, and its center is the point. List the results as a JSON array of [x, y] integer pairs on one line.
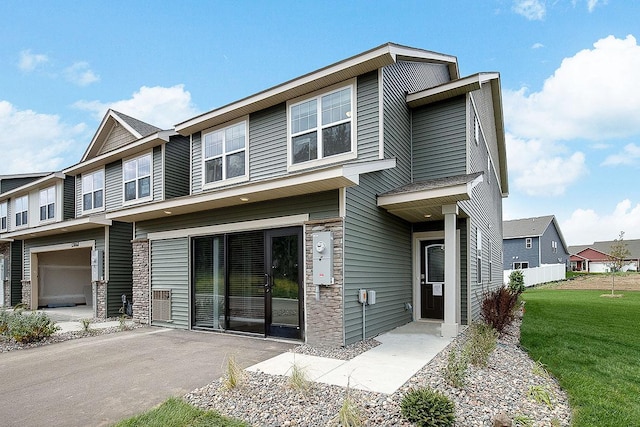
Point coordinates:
[[177, 413], [591, 344]]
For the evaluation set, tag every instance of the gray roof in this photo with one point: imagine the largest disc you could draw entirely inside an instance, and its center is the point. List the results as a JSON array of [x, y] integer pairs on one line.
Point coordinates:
[[526, 227], [605, 247], [144, 129], [433, 184]]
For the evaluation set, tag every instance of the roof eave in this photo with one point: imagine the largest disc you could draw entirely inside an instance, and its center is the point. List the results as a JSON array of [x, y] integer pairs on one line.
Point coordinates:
[[55, 176]]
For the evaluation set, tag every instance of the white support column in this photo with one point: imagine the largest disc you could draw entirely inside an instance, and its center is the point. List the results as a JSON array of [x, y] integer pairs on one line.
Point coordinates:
[[450, 326]]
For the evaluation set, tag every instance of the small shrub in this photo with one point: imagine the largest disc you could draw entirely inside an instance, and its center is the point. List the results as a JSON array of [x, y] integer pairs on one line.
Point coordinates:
[[480, 344], [86, 325], [349, 415], [540, 394], [521, 420], [427, 408], [235, 374], [5, 321], [516, 282], [498, 308], [540, 370], [30, 328], [455, 371]]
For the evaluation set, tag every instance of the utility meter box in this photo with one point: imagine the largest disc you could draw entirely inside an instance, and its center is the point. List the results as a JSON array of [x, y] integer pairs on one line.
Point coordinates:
[[323, 258], [97, 265], [371, 297]]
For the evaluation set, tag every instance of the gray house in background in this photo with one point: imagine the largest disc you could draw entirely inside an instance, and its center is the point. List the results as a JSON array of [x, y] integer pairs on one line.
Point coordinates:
[[533, 242], [328, 209]]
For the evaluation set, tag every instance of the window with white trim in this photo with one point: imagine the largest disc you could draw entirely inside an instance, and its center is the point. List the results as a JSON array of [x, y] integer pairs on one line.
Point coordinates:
[[528, 243], [21, 205], [520, 265], [224, 153], [47, 204], [554, 246], [478, 255], [137, 178], [93, 191], [489, 256], [321, 126], [3, 216]]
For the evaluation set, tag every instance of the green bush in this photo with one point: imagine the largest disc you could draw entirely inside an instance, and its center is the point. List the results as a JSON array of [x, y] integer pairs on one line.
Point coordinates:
[[455, 371], [5, 321], [427, 408], [480, 344], [32, 327], [516, 282]]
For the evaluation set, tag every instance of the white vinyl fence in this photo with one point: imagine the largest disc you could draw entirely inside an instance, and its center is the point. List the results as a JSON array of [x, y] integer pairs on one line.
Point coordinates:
[[543, 274]]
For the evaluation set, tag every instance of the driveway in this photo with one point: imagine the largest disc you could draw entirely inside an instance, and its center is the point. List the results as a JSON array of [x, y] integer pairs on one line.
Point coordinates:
[[100, 380]]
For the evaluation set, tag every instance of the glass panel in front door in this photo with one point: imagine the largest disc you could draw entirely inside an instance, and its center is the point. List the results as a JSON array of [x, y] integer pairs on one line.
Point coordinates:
[[285, 277]]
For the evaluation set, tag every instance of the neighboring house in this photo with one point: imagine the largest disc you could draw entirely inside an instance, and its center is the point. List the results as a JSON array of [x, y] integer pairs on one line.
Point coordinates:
[[274, 214], [54, 225], [533, 242], [595, 258]]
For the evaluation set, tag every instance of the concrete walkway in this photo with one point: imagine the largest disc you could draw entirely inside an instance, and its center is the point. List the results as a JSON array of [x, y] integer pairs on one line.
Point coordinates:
[[383, 369]]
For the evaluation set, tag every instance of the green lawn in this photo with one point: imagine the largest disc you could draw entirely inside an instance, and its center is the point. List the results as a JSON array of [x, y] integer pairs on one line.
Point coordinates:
[[592, 345], [177, 413]]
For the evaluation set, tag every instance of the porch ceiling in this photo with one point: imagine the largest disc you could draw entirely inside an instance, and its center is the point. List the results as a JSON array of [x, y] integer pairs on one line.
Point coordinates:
[[59, 228], [423, 201]]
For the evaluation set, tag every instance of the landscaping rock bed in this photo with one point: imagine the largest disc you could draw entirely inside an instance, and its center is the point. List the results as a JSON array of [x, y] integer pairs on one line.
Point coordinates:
[[504, 386]]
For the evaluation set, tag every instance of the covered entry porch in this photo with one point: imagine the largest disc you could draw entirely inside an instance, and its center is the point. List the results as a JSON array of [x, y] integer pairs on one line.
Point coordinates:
[[440, 248]]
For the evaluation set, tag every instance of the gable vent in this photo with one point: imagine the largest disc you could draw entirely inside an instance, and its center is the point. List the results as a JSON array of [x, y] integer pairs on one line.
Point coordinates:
[[161, 305]]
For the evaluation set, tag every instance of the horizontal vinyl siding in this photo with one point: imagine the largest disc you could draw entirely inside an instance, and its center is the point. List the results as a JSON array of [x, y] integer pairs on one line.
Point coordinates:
[[176, 167], [157, 179], [268, 143], [96, 234], [439, 140], [78, 196], [320, 205], [120, 266], [170, 270], [113, 185], [196, 162], [377, 255], [368, 117]]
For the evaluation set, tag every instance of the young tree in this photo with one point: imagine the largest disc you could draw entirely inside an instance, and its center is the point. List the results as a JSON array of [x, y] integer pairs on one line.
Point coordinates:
[[618, 256]]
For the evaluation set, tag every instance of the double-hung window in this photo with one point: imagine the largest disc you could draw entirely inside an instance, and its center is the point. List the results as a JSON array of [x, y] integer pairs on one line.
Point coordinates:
[[93, 191], [22, 208], [3, 216], [224, 153], [47, 204], [137, 178], [528, 243], [321, 126]]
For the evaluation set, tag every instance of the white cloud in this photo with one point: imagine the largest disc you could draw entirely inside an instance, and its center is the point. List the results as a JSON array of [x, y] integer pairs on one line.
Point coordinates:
[[533, 10], [587, 226], [30, 61], [158, 106], [81, 74], [537, 46], [35, 142], [629, 155], [594, 95]]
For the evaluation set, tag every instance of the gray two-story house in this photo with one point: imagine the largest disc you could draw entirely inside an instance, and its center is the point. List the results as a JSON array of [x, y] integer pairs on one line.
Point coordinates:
[[328, 209], [533, 242]]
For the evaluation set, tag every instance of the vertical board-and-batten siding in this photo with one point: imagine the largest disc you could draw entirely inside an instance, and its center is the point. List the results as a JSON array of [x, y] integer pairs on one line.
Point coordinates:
[[120, 266], [485, 214], [16, 272], [176, 167], [170, 271], [440, 140], [97, 234]]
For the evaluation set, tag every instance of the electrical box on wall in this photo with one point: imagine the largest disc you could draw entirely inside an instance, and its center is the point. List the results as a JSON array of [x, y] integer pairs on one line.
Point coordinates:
[[97, 265], [323, 258]]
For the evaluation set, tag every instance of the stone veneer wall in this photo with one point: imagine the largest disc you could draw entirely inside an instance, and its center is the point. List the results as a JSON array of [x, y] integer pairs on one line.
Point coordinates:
[[5, 251], [26, 294], [141, 296], [324, 320], [100, 289]]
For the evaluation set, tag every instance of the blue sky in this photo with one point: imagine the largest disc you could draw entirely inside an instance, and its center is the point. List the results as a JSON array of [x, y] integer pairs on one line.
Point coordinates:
[[569, 72]]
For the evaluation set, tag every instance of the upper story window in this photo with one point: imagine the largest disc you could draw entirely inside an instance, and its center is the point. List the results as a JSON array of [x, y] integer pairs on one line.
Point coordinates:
[[322, 126], [22, 209], [224, 153], [3, 216], [47, 204], [554, 246], [476, 129], [527, 243], [93, 191], [137, 178]]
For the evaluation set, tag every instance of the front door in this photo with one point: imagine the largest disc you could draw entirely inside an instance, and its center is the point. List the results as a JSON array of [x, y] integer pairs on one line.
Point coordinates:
[[283, 276], [432, 279]]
